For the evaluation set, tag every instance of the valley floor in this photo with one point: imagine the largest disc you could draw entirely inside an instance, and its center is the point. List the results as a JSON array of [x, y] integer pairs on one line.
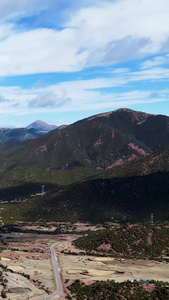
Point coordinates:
[[30, 273]]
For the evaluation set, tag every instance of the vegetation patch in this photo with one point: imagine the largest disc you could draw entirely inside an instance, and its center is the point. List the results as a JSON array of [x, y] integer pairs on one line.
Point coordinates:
[[105, 290], [140, 241]]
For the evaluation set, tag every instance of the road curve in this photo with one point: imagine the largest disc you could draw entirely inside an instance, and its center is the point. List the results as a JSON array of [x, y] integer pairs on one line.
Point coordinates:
[[56, 274]]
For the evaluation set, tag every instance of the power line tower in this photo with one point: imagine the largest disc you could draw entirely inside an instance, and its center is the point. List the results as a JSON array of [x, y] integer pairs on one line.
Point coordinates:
[[152, 218], [43, 189]]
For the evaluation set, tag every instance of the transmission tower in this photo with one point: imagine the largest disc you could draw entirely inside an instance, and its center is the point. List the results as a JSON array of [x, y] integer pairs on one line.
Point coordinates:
[[152, 218], [43, 189]]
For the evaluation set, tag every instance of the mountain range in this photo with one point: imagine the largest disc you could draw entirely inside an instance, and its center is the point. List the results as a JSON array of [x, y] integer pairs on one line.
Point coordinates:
[[108, 166]]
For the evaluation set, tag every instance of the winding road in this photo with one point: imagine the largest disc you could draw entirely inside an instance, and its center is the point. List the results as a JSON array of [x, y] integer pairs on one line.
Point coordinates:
[[56, 274]]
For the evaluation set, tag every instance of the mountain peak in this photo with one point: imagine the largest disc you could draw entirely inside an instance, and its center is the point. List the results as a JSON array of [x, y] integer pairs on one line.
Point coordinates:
[[41, 126]]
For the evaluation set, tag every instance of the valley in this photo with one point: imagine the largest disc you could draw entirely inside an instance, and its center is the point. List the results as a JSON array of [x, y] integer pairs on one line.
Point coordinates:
[[26, 263], [27, 266]]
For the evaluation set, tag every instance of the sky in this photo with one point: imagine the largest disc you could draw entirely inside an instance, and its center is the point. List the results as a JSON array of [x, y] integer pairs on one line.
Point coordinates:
[[65, 60]]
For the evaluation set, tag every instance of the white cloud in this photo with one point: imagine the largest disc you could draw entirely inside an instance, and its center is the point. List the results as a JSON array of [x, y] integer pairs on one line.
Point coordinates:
[[128, 48], [15, 9], [3, 99], [39, 51], [5, 30], [83, 95], [108, 24], [109, 21], [52, 99], [120, 70], [155, 74], [156, 61], [102, 33]]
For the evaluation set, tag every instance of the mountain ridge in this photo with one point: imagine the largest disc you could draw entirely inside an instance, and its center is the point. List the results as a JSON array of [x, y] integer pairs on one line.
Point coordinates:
[[115, 138]]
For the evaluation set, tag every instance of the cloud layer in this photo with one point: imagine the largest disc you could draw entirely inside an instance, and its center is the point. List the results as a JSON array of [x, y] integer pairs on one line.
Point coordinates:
[[101, 33], [85, 95]]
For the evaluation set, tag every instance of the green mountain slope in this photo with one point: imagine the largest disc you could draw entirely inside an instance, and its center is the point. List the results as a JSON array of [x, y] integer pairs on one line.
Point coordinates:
[[98, 200]]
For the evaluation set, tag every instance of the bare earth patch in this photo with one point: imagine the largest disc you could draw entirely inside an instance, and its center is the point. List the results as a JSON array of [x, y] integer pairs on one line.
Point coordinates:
[[29, 268], [104, 268], [20, 288]]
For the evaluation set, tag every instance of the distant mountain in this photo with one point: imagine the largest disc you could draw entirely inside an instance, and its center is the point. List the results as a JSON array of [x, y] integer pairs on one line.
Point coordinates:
[[41, 126], [20, 134], [11, 139]]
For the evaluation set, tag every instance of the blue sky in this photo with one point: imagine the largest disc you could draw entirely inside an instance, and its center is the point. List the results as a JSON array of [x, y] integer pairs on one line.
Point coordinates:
[[63, 60]]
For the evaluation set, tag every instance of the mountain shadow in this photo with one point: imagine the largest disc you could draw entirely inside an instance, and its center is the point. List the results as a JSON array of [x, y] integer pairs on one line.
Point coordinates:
[[23, 191], [123, 199]]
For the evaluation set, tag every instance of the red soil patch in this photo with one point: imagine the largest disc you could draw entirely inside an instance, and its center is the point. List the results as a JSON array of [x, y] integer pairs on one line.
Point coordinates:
[[42, 148], [98, 142], [150, 238], [116, 163], [139, 150], [105, 246], [149, 287]]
